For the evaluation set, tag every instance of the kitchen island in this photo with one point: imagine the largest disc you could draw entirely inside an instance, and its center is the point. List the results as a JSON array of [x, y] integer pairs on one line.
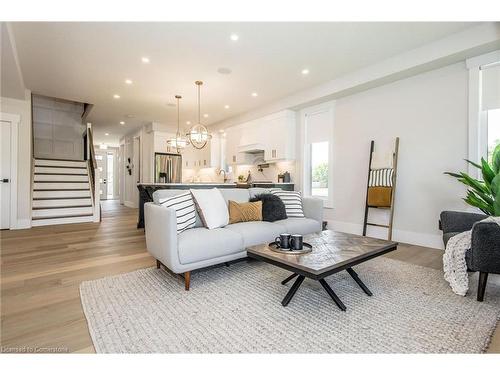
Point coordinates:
[[146, 190]]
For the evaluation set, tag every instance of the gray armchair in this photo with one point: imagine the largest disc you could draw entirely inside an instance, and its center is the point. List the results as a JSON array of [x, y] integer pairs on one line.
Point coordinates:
[[484, 254]]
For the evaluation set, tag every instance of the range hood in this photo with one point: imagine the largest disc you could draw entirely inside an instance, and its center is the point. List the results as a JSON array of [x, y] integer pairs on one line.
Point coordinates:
[[252, 148]]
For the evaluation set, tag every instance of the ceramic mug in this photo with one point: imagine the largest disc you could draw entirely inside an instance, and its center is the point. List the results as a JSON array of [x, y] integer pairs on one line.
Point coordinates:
[[297, 242], [283, 241]]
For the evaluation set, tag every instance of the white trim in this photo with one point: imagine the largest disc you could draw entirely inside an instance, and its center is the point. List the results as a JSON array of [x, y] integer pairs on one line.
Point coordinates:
[[486, 59], [434, 241], [14, 120], [130, 204], [477, 118], [305, 151]]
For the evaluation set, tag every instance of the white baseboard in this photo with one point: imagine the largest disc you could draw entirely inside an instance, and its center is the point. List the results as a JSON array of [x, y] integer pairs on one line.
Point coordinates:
[[414, 238], [130, 204], [23, 224]]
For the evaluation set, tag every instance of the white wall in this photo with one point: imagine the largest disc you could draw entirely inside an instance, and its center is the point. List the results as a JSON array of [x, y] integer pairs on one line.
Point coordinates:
[[23, 109], [429, 114], [58, 128]]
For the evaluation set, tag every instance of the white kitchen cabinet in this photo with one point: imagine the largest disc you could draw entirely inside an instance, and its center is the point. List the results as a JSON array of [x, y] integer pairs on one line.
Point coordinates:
[[235, 138], [207, 157], [280, 137], [275, 134]]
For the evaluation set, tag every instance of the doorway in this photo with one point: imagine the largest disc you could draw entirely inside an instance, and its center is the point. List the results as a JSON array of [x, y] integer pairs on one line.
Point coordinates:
[[8, 170], [107, 163]]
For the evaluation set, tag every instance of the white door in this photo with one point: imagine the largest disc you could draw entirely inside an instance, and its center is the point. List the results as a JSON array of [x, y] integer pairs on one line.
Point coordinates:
[[5, 178], [102, 163]]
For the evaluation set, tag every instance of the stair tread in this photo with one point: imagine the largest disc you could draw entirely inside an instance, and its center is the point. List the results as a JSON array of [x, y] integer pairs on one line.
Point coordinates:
[[67, 189], [61, 216], [57, 207], [61, 159], [60, 174]]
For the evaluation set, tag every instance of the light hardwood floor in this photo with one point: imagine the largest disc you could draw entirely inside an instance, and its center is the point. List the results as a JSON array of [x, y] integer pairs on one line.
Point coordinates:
[[42, 268]]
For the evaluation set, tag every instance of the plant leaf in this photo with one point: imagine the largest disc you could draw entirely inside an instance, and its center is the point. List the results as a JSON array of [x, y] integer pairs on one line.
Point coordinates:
[[496, 206], [473, 200], [474, 164], [495, 186], [488, 174], [453, 174], [496, 159], [475, 184]]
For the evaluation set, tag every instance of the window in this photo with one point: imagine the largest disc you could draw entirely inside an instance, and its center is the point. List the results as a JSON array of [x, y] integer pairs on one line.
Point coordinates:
[[319, 169], [484, 107], [110, 181], [493, 129], [490, 106]]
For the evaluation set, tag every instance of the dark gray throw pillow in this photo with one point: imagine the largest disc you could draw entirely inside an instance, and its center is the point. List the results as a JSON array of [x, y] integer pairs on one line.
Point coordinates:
[[273, 207]]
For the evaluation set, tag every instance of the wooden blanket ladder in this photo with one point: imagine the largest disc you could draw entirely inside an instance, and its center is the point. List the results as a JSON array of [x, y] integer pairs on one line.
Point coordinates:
[[393, 193]]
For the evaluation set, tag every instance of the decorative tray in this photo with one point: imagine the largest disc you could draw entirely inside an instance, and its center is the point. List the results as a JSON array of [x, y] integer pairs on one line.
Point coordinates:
[[307, 248]]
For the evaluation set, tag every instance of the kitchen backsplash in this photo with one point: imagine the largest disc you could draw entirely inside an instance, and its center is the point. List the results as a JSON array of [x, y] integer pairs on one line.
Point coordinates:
[[268, 174]]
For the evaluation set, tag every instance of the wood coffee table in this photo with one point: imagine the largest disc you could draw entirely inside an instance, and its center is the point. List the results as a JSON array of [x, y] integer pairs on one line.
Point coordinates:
[[332, 252]]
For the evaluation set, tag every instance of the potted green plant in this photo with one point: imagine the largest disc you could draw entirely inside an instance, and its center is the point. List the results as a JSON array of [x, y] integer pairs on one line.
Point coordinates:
[[483, 194]]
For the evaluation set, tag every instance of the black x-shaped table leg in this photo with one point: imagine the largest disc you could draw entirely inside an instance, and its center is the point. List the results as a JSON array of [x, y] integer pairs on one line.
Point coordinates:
[[325, 286]]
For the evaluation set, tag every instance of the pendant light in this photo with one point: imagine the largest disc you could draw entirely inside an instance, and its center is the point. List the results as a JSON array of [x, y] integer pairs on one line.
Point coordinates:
[[179, 141], [198, 135]]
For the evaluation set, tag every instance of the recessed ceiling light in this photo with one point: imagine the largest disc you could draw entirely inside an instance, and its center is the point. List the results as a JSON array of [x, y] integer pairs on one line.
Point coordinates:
[[116, 96], [122, 122], [188, 122], [226, 106], [128, 81], [254, 94], [224, 70], [145, 60], [106, 133], [130, 116], [205, 115], [305, 71], [234, 37]]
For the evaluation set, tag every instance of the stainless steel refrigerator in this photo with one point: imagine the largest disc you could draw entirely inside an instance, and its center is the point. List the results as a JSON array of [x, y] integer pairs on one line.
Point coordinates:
[[168, 168]]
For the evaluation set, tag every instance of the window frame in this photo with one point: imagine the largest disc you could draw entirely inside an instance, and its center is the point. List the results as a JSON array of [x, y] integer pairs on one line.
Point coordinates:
[[306, 147], [478, 119]]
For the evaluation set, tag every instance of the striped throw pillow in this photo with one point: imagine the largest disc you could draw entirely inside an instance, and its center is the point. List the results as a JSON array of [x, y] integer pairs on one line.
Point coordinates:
[[381, 177], [292, 201], [185, 210]]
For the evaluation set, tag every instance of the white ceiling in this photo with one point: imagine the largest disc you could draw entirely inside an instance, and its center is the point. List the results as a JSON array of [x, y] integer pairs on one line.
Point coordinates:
[[88, 62]]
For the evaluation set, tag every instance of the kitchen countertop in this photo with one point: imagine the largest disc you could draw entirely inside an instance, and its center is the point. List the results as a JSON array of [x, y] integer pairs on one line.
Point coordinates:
[[213, 183], [187, 183]]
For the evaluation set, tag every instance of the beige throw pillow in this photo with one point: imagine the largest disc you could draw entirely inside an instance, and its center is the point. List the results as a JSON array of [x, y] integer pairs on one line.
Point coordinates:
[[240, 212]]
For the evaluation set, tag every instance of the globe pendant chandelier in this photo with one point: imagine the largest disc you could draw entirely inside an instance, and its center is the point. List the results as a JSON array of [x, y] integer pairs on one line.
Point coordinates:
[[179, 142], [198, 135]]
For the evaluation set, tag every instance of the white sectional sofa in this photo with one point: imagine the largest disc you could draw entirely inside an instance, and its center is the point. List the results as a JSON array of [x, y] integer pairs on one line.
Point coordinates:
[[201, 247]]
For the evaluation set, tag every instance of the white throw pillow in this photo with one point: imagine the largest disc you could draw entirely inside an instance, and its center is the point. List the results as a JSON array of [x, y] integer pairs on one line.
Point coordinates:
[[185, 210], [212, 207]]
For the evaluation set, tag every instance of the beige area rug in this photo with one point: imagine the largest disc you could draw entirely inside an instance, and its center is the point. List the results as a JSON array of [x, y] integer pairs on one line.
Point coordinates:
[[237, 309]]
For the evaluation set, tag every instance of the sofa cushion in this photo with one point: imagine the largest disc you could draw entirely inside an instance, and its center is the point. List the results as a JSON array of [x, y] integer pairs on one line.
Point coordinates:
[[298, 225], [256, 232], [247, 211], [273, 208], [162, 194], [184, 208], [198, 244], [211, 207], [292, 201]]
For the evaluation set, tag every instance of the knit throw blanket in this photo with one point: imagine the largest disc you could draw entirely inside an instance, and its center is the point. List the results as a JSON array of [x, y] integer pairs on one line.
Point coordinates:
[[454, 265]]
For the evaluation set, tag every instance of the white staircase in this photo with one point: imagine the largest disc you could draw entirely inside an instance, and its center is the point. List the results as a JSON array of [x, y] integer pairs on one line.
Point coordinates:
[[61, 193]]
